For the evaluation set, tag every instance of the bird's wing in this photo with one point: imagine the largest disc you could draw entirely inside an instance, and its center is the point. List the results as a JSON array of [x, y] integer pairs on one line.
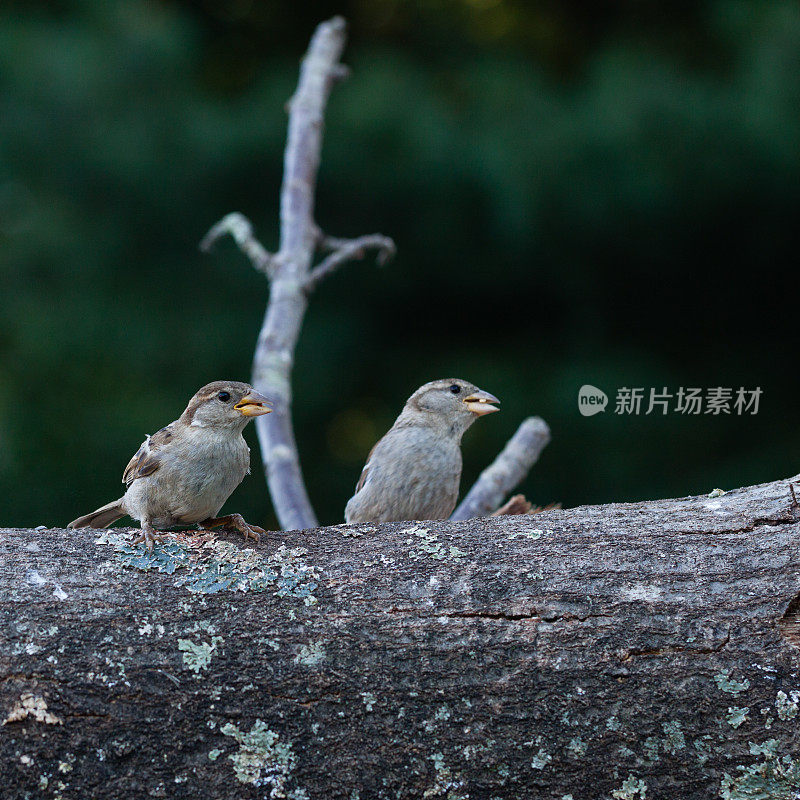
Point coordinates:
[[147, 459], [365, 472]]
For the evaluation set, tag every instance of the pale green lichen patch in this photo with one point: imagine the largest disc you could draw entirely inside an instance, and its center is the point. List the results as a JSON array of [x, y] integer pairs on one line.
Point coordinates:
[[427, 545], [351, 532], [167, 557], [768, 748], [651, 746], [311, 654], [66, 765], [703, 746], [263, 760], [541, 759], [773, 779], [612, 723], [473, 750], [736, 716], [447, 783], [727, 684], [214, 754], [632, 788], [207, 565], [197, 655], [787, 705], [369, 700], [295, 578], [534, 533], [674, 739], [577, 747], [442, 715]]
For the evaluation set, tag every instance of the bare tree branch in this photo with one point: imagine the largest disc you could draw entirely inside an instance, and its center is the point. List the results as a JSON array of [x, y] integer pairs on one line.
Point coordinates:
[[289, 269], [241, 229], [274, 356], [292, 279], [506, 471], [345, 250]]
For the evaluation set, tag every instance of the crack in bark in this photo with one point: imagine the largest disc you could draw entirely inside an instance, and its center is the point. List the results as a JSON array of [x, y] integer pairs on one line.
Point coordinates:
[[759, 522], [789, 623], [26, 678], [674, 648], [85, 715], [309, 702], [505, 615]]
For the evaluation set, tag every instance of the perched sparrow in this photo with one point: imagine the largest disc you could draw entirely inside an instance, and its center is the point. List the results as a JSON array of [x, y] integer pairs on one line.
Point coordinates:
[[183, 474], [414, 471]]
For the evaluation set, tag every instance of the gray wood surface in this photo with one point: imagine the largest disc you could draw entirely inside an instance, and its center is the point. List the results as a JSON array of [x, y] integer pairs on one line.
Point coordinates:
[[621, 651]]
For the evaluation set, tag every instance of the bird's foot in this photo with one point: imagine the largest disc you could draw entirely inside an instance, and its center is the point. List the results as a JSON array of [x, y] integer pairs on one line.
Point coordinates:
[[234, 521], [148, 536]]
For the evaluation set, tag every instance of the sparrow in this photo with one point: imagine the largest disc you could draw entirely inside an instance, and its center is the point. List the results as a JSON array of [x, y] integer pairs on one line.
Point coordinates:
[[414, 471], [184, 473]]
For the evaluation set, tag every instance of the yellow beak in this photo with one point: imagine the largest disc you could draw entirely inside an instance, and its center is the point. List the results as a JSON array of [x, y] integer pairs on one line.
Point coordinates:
[[254, 405], [480, 403]]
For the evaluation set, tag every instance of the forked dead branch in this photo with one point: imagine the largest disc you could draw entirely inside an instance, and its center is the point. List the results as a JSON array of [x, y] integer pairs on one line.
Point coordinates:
[[293, 276]]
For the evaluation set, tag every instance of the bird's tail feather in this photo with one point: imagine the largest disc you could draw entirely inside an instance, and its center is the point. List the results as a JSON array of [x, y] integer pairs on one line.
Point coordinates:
[[101, 518]]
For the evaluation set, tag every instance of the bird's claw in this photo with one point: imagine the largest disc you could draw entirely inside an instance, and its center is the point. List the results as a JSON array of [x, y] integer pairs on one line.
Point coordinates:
[[247, 530], [255, 528], [251, 532], [235, 521], [149, 537]]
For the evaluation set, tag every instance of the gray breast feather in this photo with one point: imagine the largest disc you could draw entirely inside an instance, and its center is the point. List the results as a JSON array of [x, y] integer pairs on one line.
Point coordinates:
[[194, 479], [412, 473]]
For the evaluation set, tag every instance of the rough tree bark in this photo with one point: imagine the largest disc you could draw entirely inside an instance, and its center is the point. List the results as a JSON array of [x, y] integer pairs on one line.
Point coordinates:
[[635, 651]]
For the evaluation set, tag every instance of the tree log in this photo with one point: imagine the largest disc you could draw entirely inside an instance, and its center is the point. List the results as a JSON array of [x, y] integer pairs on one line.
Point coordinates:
[[645, 650]]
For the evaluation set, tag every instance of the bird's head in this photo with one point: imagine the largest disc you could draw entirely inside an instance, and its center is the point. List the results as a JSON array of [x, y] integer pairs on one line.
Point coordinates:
[[225, 404], [453, 400]]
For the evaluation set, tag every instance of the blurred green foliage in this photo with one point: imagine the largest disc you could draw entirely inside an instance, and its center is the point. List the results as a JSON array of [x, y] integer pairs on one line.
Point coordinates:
[[602, 195]]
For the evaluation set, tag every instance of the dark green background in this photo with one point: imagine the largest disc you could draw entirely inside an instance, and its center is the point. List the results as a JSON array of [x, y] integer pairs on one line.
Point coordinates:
[[604, 194]]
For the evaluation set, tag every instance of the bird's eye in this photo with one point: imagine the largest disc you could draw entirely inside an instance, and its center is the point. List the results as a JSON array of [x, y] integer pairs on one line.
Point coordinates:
[[455, 388], [223, 397]]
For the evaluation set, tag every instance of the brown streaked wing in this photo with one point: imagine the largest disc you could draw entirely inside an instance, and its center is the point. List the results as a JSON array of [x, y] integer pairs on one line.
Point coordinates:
[[363, 477], [146, 460]]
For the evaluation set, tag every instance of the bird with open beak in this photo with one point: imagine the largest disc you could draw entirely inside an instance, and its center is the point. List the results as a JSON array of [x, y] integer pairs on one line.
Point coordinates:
[[414, 471], [184, 473]]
